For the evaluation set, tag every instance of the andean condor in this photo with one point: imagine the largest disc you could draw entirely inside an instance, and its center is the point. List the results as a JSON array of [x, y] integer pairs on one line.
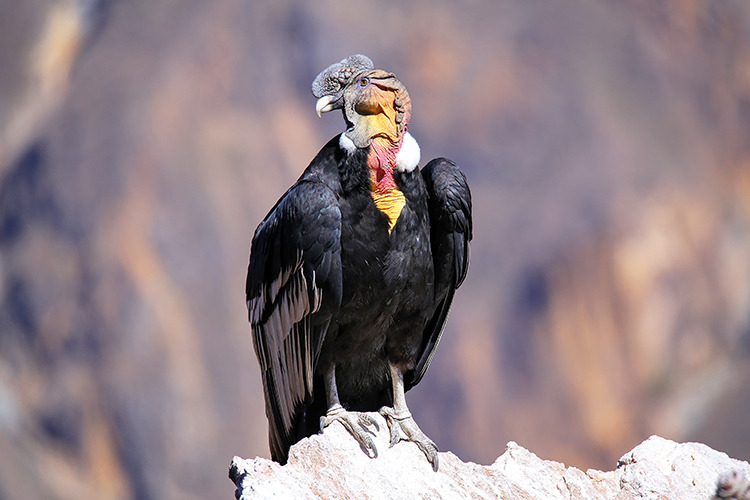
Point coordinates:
[[352, 273]]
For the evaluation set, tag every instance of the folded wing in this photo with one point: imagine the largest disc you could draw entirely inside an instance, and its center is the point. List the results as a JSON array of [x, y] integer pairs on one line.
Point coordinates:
[[450, 226], [293, 288]]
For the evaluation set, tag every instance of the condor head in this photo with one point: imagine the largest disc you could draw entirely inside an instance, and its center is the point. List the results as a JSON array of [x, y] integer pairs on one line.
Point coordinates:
[[374, 102]]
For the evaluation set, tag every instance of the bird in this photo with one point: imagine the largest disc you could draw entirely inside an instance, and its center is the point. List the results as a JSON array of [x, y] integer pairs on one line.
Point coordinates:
[[352, 273]]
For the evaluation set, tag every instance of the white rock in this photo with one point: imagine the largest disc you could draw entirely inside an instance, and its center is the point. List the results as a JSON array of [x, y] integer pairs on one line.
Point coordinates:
[[333, 466]]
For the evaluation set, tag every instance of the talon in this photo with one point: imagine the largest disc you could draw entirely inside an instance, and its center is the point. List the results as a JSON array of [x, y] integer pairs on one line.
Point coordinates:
[[395, 438], [365, 420], [371, 446], [356, 423], [434, 462], [403, 428]]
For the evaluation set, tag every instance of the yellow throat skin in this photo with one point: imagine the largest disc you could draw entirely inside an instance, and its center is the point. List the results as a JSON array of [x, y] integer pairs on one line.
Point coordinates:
[[390, 203]]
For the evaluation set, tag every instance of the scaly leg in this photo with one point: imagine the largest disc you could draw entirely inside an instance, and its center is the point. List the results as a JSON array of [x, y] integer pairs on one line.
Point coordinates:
[[402, 424], [353, 421]]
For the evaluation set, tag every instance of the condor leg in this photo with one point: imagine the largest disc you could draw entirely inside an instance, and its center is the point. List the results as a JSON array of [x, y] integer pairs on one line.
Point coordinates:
[[402, 424], [353, 421]]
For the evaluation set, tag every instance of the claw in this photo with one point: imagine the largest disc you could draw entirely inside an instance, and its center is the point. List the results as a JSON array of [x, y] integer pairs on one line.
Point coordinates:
[[404, 428], [365, 420], [356, 423], [389, 415]]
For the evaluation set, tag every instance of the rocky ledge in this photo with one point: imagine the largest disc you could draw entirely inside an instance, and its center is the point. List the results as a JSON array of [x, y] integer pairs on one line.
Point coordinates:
[[332, 465]]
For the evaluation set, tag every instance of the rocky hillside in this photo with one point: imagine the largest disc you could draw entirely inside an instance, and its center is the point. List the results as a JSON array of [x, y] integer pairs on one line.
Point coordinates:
[[141, 142], [331, 465]]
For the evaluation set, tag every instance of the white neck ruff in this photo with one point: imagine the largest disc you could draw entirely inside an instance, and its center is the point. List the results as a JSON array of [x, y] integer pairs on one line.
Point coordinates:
[[346, 144], [407, 157]]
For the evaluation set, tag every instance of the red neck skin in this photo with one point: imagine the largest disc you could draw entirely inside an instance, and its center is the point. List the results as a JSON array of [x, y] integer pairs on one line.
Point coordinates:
[[382, 160]]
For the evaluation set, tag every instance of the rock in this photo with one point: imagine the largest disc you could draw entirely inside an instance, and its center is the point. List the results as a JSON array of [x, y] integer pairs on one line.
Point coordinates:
[[331, 465]]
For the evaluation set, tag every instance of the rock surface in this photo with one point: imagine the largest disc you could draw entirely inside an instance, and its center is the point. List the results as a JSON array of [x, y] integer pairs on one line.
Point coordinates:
[[331, 465]]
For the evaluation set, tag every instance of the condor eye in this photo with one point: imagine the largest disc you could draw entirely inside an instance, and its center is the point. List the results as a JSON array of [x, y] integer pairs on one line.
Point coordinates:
[[363, 82]]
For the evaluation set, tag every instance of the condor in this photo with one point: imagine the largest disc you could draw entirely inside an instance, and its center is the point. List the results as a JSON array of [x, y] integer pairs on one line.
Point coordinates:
[[353, 271]]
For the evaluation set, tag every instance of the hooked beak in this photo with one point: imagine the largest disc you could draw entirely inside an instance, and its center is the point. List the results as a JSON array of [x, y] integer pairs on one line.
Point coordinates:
[[324, 104]]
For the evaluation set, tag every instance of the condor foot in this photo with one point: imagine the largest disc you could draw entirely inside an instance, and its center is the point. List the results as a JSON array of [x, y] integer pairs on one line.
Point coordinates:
[[356, 423], [404, 428]]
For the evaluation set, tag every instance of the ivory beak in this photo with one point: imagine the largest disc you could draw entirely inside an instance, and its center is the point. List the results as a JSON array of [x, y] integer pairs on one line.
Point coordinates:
[[324, 105]]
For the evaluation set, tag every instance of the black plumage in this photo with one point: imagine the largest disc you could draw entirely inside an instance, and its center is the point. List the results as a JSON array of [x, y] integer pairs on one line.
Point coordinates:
[[348, 293]]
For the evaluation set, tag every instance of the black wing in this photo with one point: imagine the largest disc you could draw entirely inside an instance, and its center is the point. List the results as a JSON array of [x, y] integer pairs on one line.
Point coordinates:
[[293, 289], [449, 202]]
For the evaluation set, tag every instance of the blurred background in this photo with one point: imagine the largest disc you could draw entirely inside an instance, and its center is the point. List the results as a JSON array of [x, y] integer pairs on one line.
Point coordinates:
[[607, 145]]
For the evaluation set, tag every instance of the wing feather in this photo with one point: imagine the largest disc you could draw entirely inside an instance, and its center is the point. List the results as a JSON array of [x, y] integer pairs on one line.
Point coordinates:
[[291, 297], [449, 203]]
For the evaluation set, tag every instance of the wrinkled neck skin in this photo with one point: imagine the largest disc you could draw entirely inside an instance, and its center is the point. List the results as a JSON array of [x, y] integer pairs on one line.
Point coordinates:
[[381, 159]]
